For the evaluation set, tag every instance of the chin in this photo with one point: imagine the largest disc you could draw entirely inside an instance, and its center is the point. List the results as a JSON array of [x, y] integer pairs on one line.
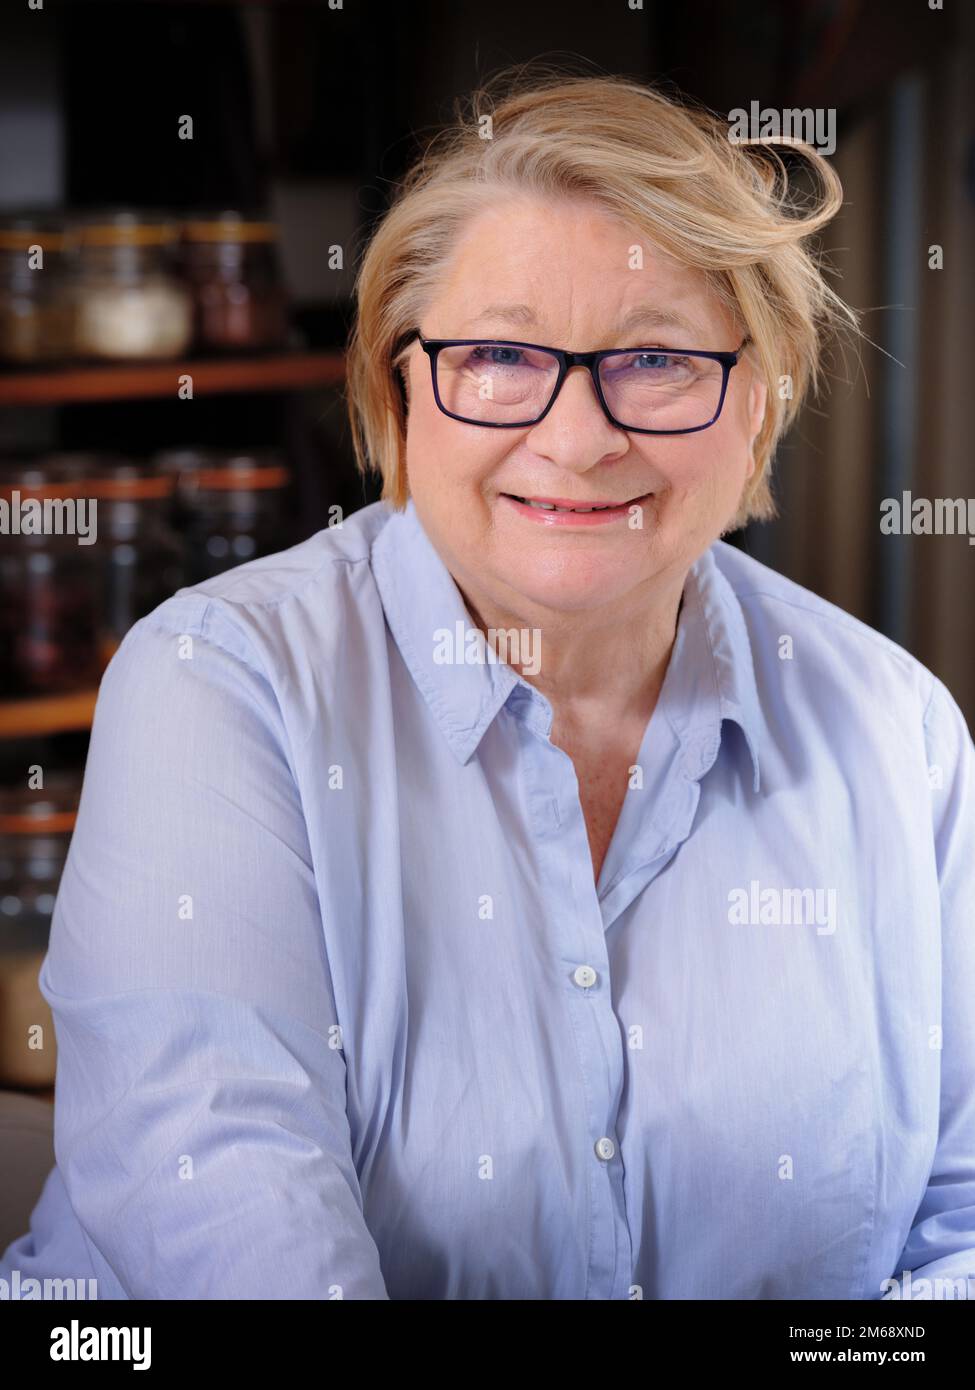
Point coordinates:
[[572, 593]]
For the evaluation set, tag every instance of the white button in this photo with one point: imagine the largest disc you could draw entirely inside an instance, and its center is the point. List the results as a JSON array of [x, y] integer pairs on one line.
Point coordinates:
[[605, 1148], [585, 976]]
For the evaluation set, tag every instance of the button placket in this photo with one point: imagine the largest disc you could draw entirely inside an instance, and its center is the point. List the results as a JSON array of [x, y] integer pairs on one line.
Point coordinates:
[[599, 1039], [579, 938]]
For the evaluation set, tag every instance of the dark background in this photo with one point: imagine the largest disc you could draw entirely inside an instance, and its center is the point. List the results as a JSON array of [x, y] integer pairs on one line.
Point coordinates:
[[313, 112]]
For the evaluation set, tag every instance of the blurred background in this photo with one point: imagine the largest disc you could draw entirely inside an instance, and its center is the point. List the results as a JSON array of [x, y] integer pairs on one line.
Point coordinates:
[[178, 351]]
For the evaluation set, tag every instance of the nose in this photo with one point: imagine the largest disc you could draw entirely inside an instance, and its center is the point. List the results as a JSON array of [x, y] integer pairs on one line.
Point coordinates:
[[577, 432]]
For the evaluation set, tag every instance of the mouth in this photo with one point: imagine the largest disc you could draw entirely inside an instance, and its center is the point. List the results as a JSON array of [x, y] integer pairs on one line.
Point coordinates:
[[566, 510]]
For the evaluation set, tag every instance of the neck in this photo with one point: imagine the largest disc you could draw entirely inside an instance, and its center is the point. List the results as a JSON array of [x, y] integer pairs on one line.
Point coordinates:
[[609, 661]]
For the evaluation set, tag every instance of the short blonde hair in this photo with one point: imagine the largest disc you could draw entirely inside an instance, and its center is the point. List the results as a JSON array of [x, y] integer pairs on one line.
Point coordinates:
[[664, 165]]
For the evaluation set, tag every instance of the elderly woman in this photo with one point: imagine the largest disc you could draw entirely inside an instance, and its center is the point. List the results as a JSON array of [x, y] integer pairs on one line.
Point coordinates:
[[517, 892]]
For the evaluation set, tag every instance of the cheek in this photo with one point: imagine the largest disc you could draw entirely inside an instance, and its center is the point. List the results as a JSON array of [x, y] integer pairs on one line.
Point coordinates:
[[431, 470], [700, 469], [715, 462], [737, 423], [705, 474], [448, 464], [454, 461]]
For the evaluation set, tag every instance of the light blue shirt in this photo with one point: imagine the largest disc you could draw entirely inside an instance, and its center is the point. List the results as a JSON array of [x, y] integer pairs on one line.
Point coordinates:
[[341, 1011]]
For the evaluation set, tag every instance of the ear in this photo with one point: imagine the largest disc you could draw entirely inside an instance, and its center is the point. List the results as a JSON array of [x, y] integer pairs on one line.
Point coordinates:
[[757, 403]]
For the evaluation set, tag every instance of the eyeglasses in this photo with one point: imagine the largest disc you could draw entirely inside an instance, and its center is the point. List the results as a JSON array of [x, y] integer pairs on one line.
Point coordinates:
[[508, 385]]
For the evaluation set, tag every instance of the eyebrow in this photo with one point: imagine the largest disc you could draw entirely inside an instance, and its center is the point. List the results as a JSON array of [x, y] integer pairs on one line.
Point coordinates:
[[645, 316]]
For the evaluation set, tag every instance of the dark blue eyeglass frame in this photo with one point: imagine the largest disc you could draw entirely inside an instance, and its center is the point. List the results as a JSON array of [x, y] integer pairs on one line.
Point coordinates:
[[567, 360]]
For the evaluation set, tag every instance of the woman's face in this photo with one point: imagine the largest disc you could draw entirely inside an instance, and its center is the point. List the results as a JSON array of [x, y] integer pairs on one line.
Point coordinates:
[[569, 264]]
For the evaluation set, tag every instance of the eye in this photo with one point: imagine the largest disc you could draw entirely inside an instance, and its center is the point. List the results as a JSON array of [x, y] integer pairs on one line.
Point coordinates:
[[649, 363], [498, 355], [658, 361]]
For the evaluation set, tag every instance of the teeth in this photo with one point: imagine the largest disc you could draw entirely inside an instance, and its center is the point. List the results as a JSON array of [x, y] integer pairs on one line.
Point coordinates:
[[551, 507]]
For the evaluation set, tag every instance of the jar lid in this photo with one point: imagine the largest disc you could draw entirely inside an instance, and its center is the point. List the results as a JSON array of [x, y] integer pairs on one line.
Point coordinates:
[[45, 474], [19, 231], [248, 471], [184, 459], [117, 478], [229, 226], [131, 484], [79, 474], [124, 227], [51, 809]]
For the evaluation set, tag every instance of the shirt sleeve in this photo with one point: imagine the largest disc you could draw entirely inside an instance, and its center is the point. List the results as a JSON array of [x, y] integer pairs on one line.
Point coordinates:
[[941, 1244], [201, 1127]]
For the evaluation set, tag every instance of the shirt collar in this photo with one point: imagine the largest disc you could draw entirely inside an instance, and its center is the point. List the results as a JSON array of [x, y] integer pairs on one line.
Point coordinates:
[[710, 676]]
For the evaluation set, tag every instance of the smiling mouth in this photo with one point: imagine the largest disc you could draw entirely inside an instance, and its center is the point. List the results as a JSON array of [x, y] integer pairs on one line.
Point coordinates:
[[544, 505]]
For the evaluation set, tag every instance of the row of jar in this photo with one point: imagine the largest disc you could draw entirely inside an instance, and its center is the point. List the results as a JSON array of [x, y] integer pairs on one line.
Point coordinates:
[[131, 533], [35, 831], [36, 824], [127, 285]]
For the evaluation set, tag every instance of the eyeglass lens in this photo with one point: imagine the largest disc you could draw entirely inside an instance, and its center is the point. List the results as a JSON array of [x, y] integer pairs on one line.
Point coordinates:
[[496, 383]]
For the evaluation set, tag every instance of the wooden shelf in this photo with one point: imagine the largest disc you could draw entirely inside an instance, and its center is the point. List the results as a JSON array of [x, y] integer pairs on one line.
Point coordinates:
[[286, 371], [47, 714]]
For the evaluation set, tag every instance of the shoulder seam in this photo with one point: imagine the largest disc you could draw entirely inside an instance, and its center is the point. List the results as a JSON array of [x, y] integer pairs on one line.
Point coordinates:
[[829, 611], [202, 625], [276, 600]]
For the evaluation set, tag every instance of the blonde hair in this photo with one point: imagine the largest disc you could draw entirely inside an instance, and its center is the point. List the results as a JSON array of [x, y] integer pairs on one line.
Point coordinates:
[[664, 165]]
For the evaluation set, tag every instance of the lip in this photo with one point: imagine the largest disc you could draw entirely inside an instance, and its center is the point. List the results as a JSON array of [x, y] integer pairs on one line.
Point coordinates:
[[612, 511]]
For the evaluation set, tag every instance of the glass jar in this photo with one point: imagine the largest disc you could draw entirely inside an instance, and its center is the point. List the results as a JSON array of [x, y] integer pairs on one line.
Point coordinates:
[[140, 552], [236, 511], [35, 308], [183, 464], [129, 302], [51, 591], [231, 263], [35, 832]]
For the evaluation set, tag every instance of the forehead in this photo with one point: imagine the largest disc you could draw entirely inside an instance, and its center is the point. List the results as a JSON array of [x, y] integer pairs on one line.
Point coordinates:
[[569, 269]]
